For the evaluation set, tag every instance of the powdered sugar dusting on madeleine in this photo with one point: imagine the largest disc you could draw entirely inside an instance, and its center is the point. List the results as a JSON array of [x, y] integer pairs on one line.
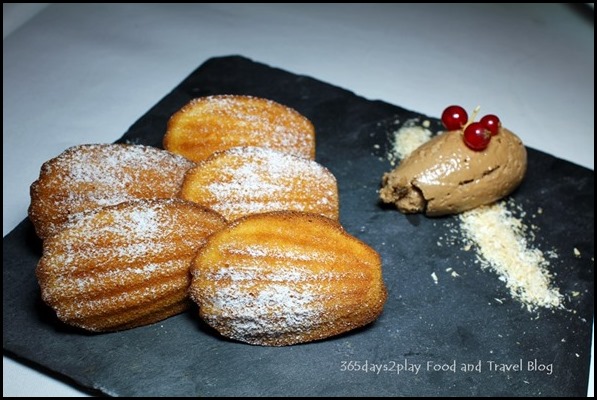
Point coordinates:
[[215, 123], [257, 301], [279, 307], [113, 267], [248, 180], [286, 277], [88, 176]]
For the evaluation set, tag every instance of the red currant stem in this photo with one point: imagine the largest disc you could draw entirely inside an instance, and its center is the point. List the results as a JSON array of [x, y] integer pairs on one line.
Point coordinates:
[[472, 118]]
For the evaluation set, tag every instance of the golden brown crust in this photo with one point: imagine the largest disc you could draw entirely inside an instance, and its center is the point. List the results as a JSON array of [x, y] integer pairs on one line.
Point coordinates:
[[286, 277], [215, 123], [249, 180], [89, 176], [122, 266]]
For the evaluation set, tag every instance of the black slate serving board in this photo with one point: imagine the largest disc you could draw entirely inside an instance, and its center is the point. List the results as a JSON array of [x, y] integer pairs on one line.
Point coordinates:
[[453, 321]]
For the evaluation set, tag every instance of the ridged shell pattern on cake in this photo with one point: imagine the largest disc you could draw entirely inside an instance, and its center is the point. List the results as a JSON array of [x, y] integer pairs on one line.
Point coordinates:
[[249, 180], [88, 176], [282, 278], [214, 123], [123, 266]]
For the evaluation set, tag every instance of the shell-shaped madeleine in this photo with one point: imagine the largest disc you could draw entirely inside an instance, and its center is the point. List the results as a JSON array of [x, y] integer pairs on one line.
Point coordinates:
[[123, 266], [95, 175], [215, 123], [250, 180], [286, 277]]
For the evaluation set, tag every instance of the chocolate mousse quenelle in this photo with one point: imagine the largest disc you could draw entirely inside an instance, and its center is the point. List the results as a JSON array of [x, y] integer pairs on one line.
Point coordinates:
[[469, 165]]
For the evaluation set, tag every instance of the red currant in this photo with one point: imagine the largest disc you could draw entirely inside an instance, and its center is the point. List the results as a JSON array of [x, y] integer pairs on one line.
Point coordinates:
[[454, 118], [476, 136], [491, 123]]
